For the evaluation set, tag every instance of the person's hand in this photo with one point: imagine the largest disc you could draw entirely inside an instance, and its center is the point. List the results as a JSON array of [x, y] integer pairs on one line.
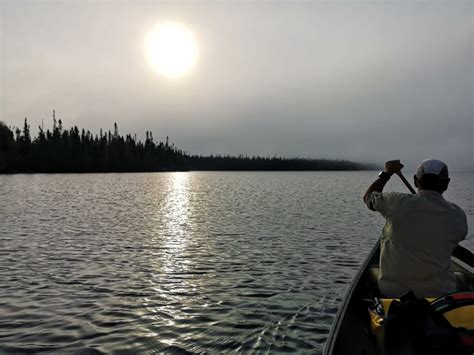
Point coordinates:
[[393, 166]]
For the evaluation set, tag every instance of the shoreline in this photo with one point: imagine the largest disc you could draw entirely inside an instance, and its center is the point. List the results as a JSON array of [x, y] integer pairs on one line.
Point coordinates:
[[181, 171]]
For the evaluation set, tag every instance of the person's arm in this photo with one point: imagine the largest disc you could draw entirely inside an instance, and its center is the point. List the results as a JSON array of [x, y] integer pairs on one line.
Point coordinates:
[[391, 167]]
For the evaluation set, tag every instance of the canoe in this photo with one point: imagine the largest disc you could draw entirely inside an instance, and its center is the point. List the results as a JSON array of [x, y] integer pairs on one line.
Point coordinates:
[[350, 332]]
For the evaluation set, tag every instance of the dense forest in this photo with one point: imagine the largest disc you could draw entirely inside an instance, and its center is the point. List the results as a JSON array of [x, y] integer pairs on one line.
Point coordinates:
[[78, 150]]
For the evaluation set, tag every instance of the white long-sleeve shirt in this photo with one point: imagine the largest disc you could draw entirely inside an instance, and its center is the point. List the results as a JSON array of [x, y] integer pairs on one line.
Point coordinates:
[[418, 239]]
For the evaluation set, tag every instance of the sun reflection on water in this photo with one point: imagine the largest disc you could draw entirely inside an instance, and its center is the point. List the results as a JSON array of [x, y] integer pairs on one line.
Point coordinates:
[[174, 287], [176, 227]]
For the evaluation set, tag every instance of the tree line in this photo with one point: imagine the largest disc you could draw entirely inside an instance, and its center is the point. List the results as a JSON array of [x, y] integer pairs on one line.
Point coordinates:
[[77, 150]]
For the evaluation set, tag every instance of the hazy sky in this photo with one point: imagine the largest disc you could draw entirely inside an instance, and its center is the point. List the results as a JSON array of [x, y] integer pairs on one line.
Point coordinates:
[[366, 81]]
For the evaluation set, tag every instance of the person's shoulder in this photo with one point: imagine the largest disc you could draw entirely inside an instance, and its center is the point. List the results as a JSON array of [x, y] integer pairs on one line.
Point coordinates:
[[391, 198], [454, 207], [396, 196], [457, 209], [459, 218]]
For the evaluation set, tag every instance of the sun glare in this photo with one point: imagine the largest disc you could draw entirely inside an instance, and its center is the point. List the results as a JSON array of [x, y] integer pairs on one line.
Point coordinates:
[[171, 49]]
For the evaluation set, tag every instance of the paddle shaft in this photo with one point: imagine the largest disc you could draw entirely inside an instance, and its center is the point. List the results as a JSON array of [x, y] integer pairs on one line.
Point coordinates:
[[405, 181]]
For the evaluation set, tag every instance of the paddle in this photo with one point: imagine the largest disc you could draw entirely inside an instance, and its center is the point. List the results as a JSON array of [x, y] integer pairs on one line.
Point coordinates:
[[405, 181], [459, 252]]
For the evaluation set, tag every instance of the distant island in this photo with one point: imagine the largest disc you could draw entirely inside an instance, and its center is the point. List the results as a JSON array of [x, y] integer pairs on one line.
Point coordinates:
[[79, 151]]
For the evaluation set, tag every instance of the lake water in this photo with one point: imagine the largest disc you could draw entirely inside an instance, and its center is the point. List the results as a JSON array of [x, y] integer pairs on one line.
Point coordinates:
[[183, 262]]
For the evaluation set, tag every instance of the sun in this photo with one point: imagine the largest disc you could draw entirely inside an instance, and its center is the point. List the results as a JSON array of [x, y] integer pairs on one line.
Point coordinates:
[[171, 49]]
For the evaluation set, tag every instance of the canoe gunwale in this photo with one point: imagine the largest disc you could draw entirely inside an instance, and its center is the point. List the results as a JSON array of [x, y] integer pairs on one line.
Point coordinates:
[[348, 297]]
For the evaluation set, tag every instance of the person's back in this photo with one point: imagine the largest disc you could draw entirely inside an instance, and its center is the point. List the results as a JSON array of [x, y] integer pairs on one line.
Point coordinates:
[[418, 239]]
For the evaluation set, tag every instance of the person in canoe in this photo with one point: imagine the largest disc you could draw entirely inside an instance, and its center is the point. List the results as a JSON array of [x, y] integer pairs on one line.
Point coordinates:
[[420, 232]]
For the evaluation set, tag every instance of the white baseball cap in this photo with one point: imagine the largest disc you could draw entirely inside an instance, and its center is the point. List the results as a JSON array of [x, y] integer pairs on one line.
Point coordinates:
[[432, 167]]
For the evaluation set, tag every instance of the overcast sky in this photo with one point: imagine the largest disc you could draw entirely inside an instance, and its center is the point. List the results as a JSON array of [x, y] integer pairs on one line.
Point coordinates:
[[365, 81]]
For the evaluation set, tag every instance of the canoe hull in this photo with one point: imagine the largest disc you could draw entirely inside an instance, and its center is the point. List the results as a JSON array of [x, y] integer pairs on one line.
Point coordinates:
[[350, 332]]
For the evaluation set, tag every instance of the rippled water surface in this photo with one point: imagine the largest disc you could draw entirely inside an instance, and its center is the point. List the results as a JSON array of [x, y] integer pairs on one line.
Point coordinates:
[[183, 262]]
